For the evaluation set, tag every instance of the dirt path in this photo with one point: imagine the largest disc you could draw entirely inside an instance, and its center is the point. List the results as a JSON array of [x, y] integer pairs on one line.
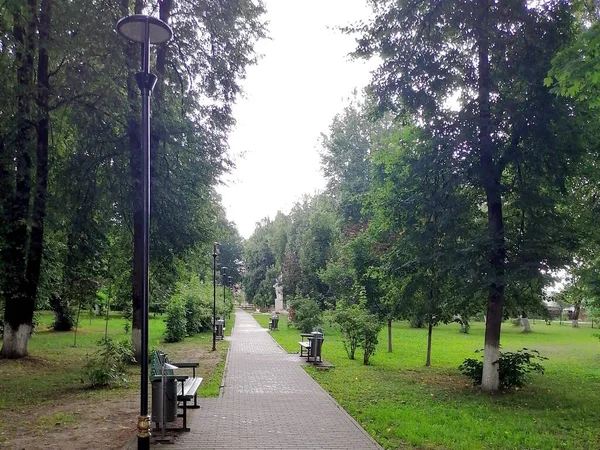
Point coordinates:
[[86, 419]]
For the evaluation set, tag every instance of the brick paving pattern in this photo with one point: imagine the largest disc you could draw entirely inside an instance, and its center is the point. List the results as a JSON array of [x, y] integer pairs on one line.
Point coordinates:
[[269, 402]]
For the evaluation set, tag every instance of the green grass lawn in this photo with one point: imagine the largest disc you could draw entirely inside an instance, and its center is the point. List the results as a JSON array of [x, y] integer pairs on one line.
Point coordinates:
[[403, 404], [54, 371]]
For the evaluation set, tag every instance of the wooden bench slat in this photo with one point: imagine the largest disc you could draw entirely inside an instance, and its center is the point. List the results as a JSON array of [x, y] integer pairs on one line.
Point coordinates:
[[188, 388]]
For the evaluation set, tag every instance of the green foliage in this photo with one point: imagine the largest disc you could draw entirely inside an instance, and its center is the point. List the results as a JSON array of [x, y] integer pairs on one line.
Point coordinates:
[[86, 221], [307, 314], [176, 321], [191, 307], [347, 319], [198, 308], [296, 246], [514, 367], [265, 294], [259, 259], [359, 328], [64, 313], [477, 202], [575, 71], [371, 328], [108, 364], [195, 315]]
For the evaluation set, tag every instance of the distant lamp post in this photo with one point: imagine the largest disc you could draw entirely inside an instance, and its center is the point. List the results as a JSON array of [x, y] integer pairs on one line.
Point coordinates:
[[214, 319], [224, 272], [230, 284], [147, 31]]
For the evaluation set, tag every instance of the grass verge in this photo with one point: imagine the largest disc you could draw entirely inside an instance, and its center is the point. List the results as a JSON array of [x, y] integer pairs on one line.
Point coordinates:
[[53, 375], [403, 404]]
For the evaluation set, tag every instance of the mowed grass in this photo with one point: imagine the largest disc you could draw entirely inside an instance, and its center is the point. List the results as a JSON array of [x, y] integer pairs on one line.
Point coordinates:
[[54, 371], [403, 404]]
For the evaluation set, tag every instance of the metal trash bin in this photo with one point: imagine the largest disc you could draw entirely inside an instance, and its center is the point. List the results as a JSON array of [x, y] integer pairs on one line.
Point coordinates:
[[274, 322], [170, 401], [315, 346], [220, 324]]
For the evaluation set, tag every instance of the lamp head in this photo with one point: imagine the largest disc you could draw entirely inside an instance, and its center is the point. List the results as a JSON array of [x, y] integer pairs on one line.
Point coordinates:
[[134, 28]]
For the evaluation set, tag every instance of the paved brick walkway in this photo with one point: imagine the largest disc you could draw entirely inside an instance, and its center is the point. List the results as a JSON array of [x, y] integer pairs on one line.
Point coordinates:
[[269, 402]]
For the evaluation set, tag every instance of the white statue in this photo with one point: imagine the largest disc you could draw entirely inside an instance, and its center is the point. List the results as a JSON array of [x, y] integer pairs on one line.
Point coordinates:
[[278, 293]]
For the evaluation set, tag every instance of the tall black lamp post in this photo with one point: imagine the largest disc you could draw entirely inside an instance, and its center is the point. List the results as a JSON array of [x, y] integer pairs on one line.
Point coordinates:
[[214, 319], [147, 31]]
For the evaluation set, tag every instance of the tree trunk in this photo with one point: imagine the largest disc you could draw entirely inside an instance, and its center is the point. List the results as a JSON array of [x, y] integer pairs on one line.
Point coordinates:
[[389, 325], [429, 333], [36, 244], [161, 59], [19, 306], [490, 175], [132, 55], [526, 323], [575, 316], [519, 321]]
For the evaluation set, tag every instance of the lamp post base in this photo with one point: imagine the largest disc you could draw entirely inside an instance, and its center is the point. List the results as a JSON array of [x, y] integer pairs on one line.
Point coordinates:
[[143, 427]]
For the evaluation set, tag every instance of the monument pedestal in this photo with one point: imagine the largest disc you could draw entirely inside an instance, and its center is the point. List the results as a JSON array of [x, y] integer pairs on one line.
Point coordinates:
[[279, 304], [278, 294]]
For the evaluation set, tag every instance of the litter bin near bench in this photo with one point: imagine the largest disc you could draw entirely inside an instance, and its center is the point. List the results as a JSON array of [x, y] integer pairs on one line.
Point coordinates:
[[274, 322], [315, 346], [169, 399], [219, 326]]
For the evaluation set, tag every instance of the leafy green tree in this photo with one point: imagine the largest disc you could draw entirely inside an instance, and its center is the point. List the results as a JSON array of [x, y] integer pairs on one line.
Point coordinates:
[[23, 166], [307, 314], [419, 209], [358, 326], [63, 78], [575, 71], [507, 122], [345, 159], [258, 259]]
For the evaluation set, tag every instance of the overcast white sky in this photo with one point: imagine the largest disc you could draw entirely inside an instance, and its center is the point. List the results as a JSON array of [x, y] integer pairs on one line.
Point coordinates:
[[303, 79]]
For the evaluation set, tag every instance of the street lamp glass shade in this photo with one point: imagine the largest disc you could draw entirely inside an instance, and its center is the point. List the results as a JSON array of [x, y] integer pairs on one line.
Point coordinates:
[[133, 28]]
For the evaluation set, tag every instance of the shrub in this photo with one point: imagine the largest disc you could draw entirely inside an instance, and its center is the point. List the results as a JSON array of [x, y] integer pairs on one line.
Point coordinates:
[[417, 321], [359, 328], [371, 329], [176, 321], [197, 315], [197, 298], [347, 320], [64, 313], [291, 316], [514, 367], [107, 366], [307, 314]]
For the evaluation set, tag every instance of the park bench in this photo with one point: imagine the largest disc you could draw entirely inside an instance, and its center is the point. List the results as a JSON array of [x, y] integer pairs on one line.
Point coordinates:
[[186, 387], [311, 344]]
